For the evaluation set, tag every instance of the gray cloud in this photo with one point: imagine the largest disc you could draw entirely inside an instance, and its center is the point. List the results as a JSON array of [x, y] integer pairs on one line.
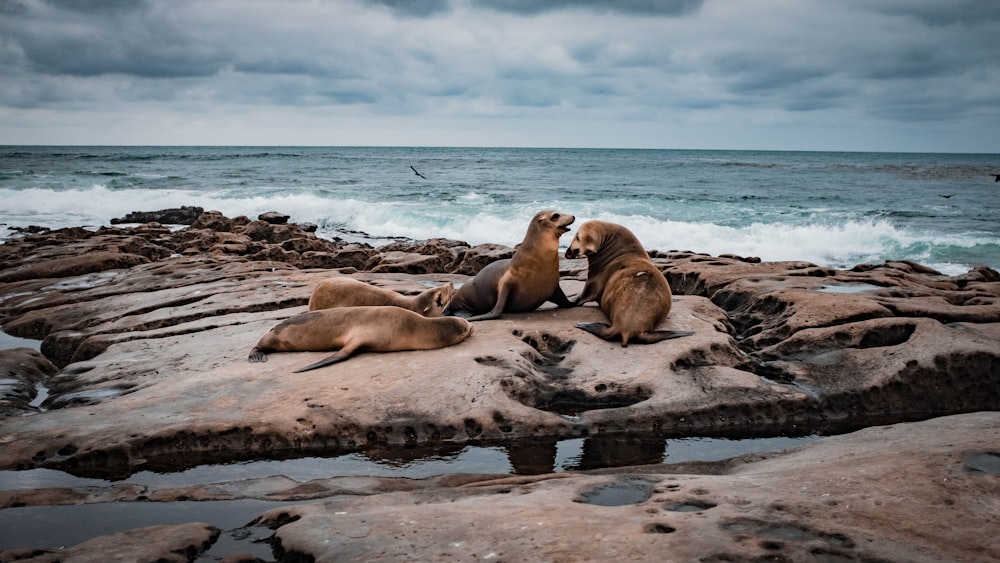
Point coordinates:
[[607, 63], [637, 7], [938, 13], [110, 37], [418, 8]]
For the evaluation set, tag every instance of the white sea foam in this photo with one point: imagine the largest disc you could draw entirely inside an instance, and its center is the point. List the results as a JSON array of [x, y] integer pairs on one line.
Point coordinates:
[[837, 242]]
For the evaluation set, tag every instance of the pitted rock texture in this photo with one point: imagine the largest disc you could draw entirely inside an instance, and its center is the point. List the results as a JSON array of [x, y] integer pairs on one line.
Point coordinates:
[[159, 347]]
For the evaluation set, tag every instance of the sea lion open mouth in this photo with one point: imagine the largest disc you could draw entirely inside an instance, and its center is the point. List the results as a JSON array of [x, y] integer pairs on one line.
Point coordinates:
[[564, 222]]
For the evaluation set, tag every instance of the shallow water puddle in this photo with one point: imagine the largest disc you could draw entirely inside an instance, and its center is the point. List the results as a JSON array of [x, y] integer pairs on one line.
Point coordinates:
[[984, 462], [688, 506], [848, 288], [623, 492], [55, 526], [8, 342]]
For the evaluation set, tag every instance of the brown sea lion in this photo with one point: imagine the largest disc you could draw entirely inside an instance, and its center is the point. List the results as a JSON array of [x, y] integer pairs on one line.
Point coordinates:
[[372, 329], [626, 284], [521, 283], [349, 292]]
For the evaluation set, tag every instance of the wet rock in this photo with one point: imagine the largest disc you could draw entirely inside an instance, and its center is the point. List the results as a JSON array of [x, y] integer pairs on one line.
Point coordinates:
[[880, 494], [405, 262], [183, 215], [179, 543], [212, 221], [470, 261], [72, 266], [274, 218], [259, 231], [21, 370]]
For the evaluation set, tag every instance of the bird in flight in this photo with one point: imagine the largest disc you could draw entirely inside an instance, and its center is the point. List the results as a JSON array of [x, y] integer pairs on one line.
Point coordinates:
[[417, 173]]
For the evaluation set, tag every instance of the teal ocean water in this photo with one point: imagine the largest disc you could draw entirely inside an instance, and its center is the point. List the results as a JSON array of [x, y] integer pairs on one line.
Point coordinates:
[[833, 209]]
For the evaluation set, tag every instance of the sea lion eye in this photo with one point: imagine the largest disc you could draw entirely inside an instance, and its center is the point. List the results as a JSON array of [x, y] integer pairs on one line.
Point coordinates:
[[555, 216]]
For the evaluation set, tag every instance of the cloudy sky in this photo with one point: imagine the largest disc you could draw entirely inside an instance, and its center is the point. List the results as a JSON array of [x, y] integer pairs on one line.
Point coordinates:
[[894, 75]]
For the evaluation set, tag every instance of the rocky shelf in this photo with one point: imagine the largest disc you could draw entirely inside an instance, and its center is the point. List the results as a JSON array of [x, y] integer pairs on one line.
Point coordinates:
[[145, 330]]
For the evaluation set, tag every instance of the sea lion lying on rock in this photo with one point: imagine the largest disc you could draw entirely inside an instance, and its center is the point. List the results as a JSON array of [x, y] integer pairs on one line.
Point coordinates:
[[372, 329], [349, 292], [626, 284], [522, 282]]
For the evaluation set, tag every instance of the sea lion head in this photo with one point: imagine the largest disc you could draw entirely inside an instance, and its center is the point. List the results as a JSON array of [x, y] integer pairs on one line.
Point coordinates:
[[553, 220], [603, 241], [434, 302], [588, 240]]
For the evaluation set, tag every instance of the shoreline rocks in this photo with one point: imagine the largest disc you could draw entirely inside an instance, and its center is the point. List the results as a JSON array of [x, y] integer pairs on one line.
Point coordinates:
[[778, 347], [147, 330]]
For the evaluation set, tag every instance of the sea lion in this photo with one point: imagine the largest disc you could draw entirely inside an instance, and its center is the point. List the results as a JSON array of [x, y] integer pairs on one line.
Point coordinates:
[[522, 282], [349, 292], [626, 284], [373, 329]]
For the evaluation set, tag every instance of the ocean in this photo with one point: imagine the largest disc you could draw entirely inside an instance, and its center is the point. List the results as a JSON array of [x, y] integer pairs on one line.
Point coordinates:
[[834, 209]]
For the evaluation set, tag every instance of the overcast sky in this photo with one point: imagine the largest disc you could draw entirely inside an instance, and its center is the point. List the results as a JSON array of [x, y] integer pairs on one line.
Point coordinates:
[[893, 75]]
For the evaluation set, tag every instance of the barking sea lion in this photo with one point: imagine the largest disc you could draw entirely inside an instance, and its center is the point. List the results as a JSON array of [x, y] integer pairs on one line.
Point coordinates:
[[523, 282]]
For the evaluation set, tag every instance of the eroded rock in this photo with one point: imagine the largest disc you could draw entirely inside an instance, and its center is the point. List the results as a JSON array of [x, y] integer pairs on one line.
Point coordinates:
[[777, 346], [150, 329]]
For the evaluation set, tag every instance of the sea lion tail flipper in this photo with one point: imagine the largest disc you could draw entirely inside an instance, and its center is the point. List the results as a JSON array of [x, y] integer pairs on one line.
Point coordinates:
[[559, 298], [329, 360], [503, 292], [257, 355], [602, 330], [655, 336]]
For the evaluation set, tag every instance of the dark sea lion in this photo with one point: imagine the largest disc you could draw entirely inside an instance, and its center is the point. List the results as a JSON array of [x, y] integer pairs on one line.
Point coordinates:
[[371, 329], [626, 284], [521, 283], [349, 292]]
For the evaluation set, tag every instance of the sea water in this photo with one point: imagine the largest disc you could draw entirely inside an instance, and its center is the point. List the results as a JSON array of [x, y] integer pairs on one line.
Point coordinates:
[[831, 209]]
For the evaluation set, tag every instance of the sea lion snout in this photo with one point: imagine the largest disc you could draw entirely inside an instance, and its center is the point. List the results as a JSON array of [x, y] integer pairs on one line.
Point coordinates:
[[563, 221]]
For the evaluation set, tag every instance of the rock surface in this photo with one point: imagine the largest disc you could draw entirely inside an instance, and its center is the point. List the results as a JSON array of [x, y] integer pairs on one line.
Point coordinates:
[[150, 329], [185, 215], [922, 492], [918, 497], [167, 544]]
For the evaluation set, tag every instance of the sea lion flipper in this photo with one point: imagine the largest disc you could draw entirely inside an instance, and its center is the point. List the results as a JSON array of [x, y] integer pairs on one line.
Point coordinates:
[[503, 292], [655, 336], [602, 330], [329, 360], [257, 355], [559, 298], [589, 293]]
